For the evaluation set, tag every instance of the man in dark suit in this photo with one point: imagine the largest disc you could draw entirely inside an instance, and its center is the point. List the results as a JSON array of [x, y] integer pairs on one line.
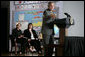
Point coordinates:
[[49, 19], [48, 29]]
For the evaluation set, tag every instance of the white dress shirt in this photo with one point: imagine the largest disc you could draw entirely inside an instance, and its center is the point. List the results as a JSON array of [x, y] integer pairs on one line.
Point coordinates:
[[32, 36]]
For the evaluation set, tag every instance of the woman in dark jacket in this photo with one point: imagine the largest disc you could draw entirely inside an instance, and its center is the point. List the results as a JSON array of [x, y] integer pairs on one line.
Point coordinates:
[[30, 33], [17, 34]]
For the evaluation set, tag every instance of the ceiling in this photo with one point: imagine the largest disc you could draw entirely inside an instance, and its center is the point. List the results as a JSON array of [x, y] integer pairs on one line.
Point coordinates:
[[5, 4]]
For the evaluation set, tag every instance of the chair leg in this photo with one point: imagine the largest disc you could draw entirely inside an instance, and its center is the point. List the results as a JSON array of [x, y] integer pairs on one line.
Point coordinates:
[[26, 51], [16, 48], [11, 51]]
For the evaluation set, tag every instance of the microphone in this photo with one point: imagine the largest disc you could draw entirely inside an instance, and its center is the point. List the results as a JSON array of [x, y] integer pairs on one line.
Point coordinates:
[[67, 14]]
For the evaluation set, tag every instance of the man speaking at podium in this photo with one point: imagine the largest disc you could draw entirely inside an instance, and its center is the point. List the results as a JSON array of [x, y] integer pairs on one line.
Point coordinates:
[[49, 19], [48, 29]]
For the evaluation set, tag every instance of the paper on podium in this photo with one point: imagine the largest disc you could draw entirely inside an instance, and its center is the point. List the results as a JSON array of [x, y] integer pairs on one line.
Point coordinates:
[[56, 31]]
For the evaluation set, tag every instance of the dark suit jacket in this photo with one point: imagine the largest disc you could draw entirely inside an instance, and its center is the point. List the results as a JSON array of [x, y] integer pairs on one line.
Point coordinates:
[[28, 34], [47, 24]]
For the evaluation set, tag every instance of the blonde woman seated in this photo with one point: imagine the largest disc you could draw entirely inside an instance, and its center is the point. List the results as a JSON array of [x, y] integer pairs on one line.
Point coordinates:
[[18, 35]]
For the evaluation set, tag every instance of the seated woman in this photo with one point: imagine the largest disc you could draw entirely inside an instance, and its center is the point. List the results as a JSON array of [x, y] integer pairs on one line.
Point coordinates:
[[30, 33], [17, 34]]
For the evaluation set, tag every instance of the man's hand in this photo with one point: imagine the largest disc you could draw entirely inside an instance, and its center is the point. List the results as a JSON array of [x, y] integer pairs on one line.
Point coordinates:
[[53, 16]]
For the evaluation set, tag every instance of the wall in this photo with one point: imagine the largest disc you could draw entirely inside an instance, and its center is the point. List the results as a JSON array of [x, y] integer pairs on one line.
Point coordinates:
[[12, 8], [76, 10], [5, 23], [18, 7]]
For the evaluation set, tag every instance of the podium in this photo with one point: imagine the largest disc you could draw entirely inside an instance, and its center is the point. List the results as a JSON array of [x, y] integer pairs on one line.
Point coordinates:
[[62, 24]]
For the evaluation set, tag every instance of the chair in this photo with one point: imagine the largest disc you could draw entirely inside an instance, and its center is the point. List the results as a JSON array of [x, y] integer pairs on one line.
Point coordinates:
[[14, 43]]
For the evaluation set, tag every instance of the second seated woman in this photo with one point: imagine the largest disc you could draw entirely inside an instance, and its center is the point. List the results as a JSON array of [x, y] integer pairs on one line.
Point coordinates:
[[30, 33]]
